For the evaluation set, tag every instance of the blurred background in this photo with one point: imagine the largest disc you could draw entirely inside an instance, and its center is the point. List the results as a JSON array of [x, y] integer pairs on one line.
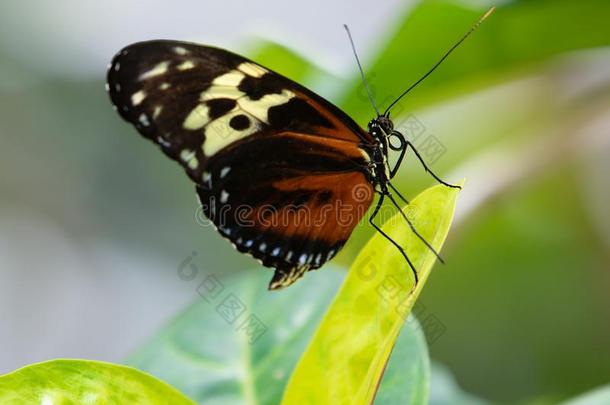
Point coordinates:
[[94, 221]]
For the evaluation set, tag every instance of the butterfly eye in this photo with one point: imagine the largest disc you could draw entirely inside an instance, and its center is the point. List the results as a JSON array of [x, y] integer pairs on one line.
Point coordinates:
[[396, 141]]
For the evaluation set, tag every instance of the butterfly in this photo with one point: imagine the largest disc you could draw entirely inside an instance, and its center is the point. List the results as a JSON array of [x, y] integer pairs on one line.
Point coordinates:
[[280, 171]]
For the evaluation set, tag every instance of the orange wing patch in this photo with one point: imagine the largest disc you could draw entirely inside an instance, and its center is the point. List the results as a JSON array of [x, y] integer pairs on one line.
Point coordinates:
[[334, 205], [344, 129]]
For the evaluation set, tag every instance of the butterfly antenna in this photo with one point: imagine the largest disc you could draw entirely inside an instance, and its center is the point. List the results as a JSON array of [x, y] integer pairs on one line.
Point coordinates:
[[474, 27], [366, 84]]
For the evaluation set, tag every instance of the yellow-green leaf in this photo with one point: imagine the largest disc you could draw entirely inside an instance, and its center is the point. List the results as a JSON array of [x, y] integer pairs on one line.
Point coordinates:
[[62, 382], [345, 360]]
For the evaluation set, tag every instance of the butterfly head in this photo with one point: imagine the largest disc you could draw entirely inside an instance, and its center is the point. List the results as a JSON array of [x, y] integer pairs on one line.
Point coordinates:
[[381, 127]]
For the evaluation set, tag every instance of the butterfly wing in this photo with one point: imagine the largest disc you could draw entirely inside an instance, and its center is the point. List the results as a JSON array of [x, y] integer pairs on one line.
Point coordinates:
[[281, 210], [280, 171]]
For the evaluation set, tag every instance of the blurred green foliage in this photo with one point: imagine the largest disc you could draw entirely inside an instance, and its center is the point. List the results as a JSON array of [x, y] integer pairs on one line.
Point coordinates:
[[214, 361], [188, 355], [62, 382], [516, 37]]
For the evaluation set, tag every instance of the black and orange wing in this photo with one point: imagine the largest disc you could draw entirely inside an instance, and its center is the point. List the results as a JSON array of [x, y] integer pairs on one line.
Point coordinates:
[[281, 172], [293, 209]]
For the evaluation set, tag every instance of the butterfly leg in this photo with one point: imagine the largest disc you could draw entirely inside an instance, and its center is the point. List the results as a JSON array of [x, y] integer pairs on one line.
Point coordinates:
[[425, 242], [428, 169], [403, 150], [398, 193], [385, 235]]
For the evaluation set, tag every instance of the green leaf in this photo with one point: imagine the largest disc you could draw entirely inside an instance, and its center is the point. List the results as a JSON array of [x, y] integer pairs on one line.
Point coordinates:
[[599, 396], [65, 382], [211, 360], [285, 61], [406, 380], [345, 360], [517, 36], [203, 356], [444, 390]]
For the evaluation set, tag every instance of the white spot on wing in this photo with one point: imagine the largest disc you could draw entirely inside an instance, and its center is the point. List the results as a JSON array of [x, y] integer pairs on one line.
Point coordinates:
[[164, 86], [219, 133], [233, 78], [260, 108], [186, 154], [159, 69], [252, 69], [207, 179], [221, 91], [224, 171], [197, 118], [157, 111], [318, 259], [144, 120], [303, 258], [224, 196], [193, 163], [186, 65], [180, 50], [138, 97], [163, 142]]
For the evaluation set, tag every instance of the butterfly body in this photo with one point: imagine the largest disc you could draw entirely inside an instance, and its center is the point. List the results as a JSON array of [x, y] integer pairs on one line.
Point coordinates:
[[281, 172]]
